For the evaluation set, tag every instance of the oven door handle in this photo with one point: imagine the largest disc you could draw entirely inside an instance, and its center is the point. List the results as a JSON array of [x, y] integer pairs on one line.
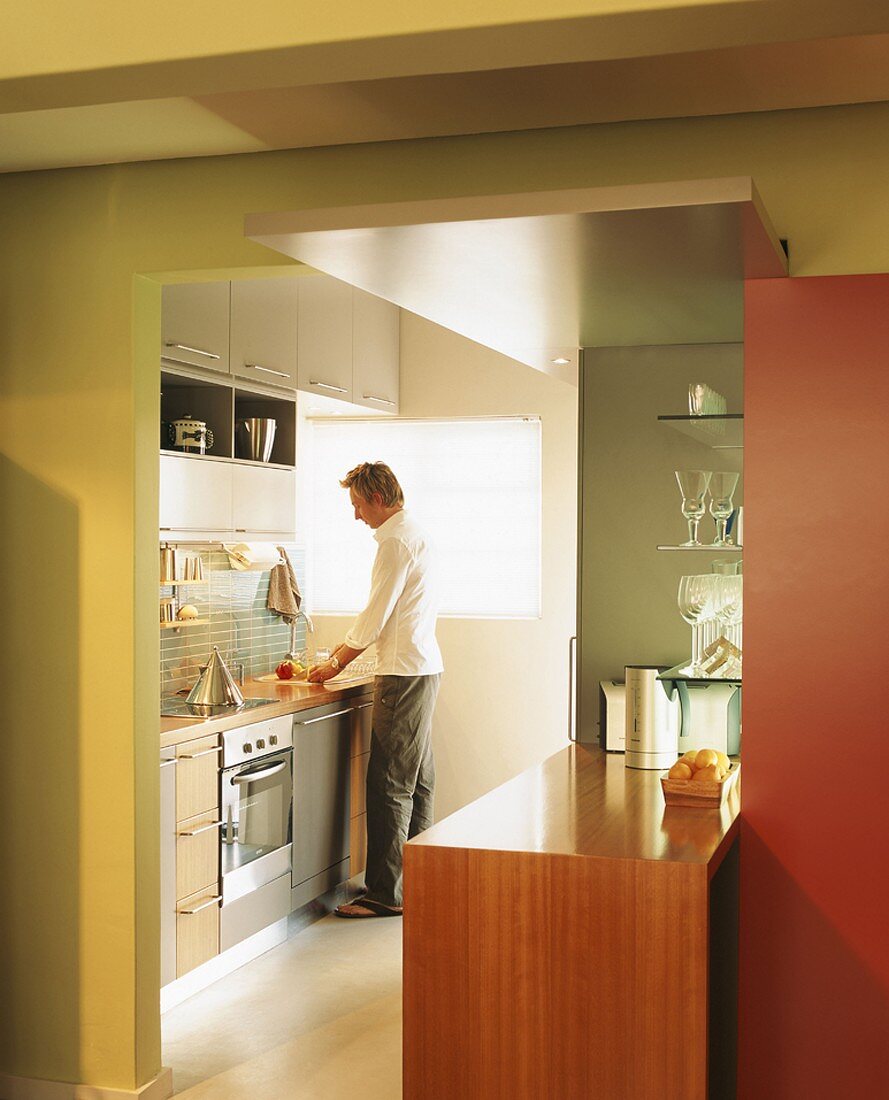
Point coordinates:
[[259, 773]]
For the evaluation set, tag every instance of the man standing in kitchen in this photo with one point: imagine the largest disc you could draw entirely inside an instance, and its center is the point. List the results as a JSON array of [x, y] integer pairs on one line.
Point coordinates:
[[400, 617]]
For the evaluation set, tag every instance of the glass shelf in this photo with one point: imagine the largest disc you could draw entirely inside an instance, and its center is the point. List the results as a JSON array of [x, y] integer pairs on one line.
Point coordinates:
[[722, 433], [177, 624], [677, 674], [704, 546]]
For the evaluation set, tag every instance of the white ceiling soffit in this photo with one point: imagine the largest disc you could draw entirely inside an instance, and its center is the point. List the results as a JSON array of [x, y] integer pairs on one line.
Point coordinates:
[[537, 276]]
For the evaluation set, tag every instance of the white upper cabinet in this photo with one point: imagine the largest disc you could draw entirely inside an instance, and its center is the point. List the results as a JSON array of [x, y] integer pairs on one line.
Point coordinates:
[[325, 337], [224, 501], [195, 495], [263, 501], [264, 317], [195, 325], [375, 352]]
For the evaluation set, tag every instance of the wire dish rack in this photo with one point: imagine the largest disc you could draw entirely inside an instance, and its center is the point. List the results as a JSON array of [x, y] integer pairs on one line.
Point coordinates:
[[359, 669]]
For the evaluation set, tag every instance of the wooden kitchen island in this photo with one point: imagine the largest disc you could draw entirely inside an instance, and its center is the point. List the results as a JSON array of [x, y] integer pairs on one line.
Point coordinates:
[[569, 936]]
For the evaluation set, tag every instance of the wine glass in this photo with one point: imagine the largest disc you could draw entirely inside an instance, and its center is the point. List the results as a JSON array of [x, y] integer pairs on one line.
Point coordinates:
[[693, 485], [722, 489], [731, 606], [695, 601]]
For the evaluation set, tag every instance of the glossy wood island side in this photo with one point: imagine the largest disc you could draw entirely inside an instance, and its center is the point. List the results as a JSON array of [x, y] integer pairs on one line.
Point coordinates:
[[569, 935]]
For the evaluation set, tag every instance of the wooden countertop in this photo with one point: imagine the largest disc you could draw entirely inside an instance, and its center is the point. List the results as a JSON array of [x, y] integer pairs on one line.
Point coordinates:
[[289, 699], [583, 801]]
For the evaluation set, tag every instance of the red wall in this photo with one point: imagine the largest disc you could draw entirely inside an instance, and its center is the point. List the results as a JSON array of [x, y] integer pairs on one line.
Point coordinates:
[[814, 993]]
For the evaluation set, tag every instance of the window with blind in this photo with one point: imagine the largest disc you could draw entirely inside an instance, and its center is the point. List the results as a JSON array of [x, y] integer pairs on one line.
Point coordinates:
[[474, 486]]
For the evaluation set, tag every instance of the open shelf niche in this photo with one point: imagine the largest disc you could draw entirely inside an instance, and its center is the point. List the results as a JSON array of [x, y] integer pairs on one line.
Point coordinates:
[[220, 403]]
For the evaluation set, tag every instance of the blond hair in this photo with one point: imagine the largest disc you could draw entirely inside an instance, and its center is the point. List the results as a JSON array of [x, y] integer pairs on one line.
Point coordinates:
[[375, 477]]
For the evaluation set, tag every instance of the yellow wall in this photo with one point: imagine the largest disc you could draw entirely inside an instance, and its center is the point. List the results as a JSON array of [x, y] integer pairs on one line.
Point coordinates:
[[78, 499]]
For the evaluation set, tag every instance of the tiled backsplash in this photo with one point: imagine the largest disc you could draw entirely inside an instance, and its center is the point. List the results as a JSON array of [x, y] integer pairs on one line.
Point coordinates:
[[239, 623]]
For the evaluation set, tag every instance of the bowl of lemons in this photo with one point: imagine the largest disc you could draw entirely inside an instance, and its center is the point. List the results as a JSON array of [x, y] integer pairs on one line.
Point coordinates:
[[700, 778]]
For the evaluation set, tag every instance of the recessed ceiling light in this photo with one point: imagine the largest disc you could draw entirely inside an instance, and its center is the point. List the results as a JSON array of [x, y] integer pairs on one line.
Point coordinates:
[[560, 361]]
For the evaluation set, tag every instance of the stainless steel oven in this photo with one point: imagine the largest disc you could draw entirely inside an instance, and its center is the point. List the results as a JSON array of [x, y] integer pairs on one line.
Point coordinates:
[[256, 803]]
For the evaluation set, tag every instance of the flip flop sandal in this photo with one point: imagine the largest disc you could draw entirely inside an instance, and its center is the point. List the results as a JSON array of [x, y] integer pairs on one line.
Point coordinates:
[[372, 909]]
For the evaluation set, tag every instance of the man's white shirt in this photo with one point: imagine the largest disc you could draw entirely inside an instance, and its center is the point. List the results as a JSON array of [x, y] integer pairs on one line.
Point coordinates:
[[403, 606]]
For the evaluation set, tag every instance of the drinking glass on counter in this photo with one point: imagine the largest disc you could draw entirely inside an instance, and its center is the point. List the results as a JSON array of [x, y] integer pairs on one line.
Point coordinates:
[[693, 485]]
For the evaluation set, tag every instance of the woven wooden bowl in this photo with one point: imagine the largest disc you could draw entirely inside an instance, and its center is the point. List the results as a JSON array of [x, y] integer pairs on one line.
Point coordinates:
[[690, 792]]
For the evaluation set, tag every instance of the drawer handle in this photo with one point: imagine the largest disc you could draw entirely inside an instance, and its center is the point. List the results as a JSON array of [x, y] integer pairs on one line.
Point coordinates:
[[200, 829], [373, 397], [194, 351], [324, 717], [328, 386], [363, 706], [167, 763], [198, 755], [197, 908], [268, 370]]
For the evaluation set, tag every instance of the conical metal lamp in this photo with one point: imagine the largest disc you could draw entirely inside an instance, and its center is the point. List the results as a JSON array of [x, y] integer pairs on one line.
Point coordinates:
[[216, 686]]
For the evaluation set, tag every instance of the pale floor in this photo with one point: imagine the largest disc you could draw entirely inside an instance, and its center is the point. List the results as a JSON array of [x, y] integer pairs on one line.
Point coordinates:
[[318, 1016]]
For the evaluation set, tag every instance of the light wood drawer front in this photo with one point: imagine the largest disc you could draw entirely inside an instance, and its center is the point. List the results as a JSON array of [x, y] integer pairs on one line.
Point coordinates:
[[361, 726], [197, 854], [359, 784], [357, 845], [197, 930], [197, 777]]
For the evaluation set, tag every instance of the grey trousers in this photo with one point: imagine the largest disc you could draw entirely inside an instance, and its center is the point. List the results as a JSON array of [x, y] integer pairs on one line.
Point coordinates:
[[400, 778]]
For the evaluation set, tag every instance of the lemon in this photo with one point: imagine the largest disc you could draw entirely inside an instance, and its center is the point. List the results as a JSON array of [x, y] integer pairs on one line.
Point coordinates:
[[706, 758]]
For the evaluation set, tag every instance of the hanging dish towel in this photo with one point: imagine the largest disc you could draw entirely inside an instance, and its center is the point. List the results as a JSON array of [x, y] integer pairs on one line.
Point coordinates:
[[284, 594]]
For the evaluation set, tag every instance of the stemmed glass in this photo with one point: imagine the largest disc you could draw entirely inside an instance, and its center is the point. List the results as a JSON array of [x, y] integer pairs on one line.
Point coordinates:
[[695, 601], [731, 606], [722, 489], [693, 485]]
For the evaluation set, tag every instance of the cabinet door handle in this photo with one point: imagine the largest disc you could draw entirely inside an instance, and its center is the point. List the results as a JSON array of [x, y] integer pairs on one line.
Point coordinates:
[[373, 397], [324, 717], [268, 370], [198, 755], [167, 763], [328, 386], [249, 777], [200, 829], [194, 351], [197, 908]]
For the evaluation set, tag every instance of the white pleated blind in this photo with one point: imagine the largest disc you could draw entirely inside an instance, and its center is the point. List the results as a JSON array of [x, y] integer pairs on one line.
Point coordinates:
[[474, 486]]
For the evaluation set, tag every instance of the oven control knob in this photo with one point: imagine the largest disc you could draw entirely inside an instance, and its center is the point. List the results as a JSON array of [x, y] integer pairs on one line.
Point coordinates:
[[273, 740], [248, 747], [260, 744]]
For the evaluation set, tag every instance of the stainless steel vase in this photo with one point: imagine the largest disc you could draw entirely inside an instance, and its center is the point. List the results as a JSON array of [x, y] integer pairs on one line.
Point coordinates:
[[255, 437]]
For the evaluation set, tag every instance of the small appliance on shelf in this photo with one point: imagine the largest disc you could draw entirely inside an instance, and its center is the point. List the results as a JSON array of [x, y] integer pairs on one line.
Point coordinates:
[[190, 435]]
